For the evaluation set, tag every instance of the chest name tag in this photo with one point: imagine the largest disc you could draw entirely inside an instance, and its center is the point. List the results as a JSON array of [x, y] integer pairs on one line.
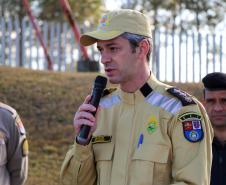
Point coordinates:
[[101, 139]]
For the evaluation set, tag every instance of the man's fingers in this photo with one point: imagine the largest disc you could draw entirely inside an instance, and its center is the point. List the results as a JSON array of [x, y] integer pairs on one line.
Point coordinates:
[[81, 122], [87, 108], [87, 99], [85, 115]]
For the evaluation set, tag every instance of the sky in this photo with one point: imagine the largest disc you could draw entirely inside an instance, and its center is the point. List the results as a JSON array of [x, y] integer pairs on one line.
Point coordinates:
[[112, 4]]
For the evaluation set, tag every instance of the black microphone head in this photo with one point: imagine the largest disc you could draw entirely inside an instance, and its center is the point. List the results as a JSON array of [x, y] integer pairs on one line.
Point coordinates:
[[100, 81]]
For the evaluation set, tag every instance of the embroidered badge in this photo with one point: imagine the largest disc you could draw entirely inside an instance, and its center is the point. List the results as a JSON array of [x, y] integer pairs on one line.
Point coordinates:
[[192, 126], [25, 148], [101, 139], [104, 22], [152, 125]]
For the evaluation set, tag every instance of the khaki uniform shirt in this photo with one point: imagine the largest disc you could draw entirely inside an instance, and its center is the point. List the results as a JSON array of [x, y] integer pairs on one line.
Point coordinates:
[[13, 148], [150, 137]]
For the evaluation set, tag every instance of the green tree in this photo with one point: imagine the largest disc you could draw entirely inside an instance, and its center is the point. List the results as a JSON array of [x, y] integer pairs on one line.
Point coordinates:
[[82, 10], [204, 12]]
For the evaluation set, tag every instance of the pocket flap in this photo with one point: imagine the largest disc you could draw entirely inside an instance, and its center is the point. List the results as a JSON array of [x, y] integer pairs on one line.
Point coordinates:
[[103, 151], [154, 153]]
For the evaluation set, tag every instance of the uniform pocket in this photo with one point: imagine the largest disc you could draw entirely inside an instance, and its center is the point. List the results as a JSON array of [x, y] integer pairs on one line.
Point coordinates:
[[3, 157], [103, 153], [146, 161]]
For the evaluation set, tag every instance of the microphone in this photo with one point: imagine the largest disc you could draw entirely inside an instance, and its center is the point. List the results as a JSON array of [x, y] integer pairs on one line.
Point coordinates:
[[97, 91]]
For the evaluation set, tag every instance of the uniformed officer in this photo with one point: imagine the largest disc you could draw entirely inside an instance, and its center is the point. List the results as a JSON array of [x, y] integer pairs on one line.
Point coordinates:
[[215, 104], [13, 148], [145, 132]]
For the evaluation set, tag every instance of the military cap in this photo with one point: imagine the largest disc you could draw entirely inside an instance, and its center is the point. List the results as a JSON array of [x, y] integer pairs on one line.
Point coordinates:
[[215, 81], [117, 22]]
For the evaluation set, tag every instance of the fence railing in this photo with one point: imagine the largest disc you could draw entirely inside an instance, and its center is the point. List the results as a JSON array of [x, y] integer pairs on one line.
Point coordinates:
[[188, 56], [177, 56]]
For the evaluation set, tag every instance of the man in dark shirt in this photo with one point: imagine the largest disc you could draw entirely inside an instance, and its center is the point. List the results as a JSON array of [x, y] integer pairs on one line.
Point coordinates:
[[215, 104]]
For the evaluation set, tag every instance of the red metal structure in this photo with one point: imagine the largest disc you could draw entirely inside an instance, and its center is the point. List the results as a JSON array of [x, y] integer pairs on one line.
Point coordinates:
[[67, 11], [38, 33]]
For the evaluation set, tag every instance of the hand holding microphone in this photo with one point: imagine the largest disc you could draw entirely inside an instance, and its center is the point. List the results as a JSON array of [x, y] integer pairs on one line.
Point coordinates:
[[85, 117]]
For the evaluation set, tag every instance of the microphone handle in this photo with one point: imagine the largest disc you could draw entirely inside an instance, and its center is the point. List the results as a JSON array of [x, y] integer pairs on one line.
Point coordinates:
[[85, 129]]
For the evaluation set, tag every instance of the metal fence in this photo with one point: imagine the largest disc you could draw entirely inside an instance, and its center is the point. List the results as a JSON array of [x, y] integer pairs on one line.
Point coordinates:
[[177, 56], [188, 56]]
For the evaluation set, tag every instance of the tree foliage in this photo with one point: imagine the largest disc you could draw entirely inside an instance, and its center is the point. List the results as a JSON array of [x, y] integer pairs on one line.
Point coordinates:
[[51, 9], [81, 10], [12, 7], [183, 14]]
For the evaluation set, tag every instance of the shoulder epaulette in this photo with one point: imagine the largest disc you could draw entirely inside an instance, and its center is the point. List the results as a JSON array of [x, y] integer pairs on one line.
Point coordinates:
[[184, 97], [15, 116], [10, 109], [108, 91]]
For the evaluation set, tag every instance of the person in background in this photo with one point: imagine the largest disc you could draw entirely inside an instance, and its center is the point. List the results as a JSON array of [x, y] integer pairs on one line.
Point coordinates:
[[215, 104], [145, 132], [13, 148]]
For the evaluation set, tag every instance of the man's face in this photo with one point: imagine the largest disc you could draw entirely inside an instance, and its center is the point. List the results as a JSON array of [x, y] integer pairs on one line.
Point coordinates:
[[119, 60], [215, 104]]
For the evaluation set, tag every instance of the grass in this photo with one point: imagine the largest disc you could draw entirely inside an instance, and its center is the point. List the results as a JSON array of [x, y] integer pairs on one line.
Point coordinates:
[[46, 102]]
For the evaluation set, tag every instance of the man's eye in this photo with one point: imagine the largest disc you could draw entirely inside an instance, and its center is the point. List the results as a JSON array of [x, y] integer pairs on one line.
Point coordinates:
[[210, 101], [113, 49], [224, 101]]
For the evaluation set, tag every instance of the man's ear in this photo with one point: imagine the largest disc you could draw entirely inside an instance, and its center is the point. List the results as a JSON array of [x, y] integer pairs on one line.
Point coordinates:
[[144, 47]]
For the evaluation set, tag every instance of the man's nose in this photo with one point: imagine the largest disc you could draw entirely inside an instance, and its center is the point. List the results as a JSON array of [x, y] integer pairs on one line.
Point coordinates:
[[105, 58], [218, 107]]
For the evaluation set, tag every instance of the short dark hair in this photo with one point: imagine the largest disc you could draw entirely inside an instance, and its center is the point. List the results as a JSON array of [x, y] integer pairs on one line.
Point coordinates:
[[215, 81], [135, 39]]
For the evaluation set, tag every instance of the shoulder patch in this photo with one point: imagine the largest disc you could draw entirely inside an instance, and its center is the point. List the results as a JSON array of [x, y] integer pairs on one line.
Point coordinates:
[[192, 126], [25, 148], [184, 97], [108, 91]]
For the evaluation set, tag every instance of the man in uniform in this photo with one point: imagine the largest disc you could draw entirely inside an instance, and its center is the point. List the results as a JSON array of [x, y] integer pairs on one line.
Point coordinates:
[[215, 104], [13, 148], [145, 132]]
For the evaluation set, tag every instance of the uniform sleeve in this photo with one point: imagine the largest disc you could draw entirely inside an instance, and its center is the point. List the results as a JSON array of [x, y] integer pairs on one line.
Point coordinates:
[[192, 155], [17, 152], [78, 167]]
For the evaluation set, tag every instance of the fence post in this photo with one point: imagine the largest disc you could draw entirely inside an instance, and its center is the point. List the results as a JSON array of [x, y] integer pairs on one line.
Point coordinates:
[[186, 40], [166, 48], [214, 52], [10, 41], [173, 56], [193, 56], [221, 38], [207, 53], [3, 40]]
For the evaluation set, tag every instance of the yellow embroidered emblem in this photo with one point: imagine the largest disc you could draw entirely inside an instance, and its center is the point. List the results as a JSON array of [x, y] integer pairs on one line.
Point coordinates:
[[101, 139], [152, 125], [25, 148]]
